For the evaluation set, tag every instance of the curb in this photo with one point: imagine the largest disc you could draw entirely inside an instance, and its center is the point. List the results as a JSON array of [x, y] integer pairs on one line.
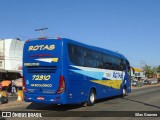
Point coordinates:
[[144, 86]]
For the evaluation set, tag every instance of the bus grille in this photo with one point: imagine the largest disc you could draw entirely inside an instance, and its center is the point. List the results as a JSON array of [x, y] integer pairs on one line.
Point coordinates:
[[41, 69]]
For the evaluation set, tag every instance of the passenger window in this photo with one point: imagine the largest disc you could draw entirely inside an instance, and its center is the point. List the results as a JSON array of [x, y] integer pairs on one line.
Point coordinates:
[[107, 62], [98, 59], [76, 55], [89, 60]]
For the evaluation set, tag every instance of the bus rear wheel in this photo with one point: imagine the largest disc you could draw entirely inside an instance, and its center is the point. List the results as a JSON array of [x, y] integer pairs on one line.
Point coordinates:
[[124, 91], [92, 98]]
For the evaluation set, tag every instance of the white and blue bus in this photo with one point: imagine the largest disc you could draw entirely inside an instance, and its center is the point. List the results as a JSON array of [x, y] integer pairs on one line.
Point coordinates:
[[63, 71]]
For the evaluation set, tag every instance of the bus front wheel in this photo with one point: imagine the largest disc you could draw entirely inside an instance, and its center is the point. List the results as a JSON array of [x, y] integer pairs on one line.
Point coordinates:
[[92, 97]]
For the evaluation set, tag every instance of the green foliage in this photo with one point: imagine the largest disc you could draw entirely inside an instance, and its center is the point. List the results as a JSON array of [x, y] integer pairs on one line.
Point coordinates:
[[150, 71], [158, 69]]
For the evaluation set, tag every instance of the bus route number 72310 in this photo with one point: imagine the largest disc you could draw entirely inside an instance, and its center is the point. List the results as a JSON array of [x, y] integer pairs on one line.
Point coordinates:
[[41, 77]]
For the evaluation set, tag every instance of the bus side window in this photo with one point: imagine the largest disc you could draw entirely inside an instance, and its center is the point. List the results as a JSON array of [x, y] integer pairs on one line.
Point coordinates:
[[122, 65], [98, 58], [100, 65], [107, 65], [80, 56], [71, 53], [116, 63], [76, 54], [89, 60]]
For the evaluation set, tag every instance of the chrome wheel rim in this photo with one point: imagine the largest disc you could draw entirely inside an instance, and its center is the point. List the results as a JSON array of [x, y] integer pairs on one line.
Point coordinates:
[[92, 97], [124, 91]]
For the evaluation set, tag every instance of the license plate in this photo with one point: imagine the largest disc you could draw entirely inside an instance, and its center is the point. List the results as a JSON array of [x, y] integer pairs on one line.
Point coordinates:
[[40, 98]]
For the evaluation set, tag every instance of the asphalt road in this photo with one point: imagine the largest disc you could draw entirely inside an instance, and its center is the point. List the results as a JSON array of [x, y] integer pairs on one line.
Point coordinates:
[[12, 98], [144, 99]]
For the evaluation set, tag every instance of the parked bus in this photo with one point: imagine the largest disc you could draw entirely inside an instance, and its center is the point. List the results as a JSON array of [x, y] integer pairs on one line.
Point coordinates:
[[63, 71]]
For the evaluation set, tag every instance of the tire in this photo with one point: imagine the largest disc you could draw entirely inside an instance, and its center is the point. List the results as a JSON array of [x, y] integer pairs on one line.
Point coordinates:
[[124, 92], [92, 98]]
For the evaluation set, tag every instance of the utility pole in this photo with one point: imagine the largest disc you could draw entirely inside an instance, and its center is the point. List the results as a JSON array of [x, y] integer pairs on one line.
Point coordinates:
[[41, 31], [143, 63]]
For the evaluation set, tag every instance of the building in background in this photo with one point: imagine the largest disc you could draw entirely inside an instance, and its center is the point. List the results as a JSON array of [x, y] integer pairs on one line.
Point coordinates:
[[139, 74], [158, 76], [11, 57]]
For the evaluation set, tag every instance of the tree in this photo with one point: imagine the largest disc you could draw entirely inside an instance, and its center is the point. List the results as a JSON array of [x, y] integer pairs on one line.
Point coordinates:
[[158, 69], [153, 71], [149, 71]]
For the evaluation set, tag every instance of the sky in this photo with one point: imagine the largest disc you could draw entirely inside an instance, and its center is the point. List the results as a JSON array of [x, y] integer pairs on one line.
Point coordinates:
[[129, 27]]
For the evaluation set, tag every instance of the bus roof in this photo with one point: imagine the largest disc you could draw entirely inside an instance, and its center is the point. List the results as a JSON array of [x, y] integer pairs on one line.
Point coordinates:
[[66, 40], [96, 48]]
